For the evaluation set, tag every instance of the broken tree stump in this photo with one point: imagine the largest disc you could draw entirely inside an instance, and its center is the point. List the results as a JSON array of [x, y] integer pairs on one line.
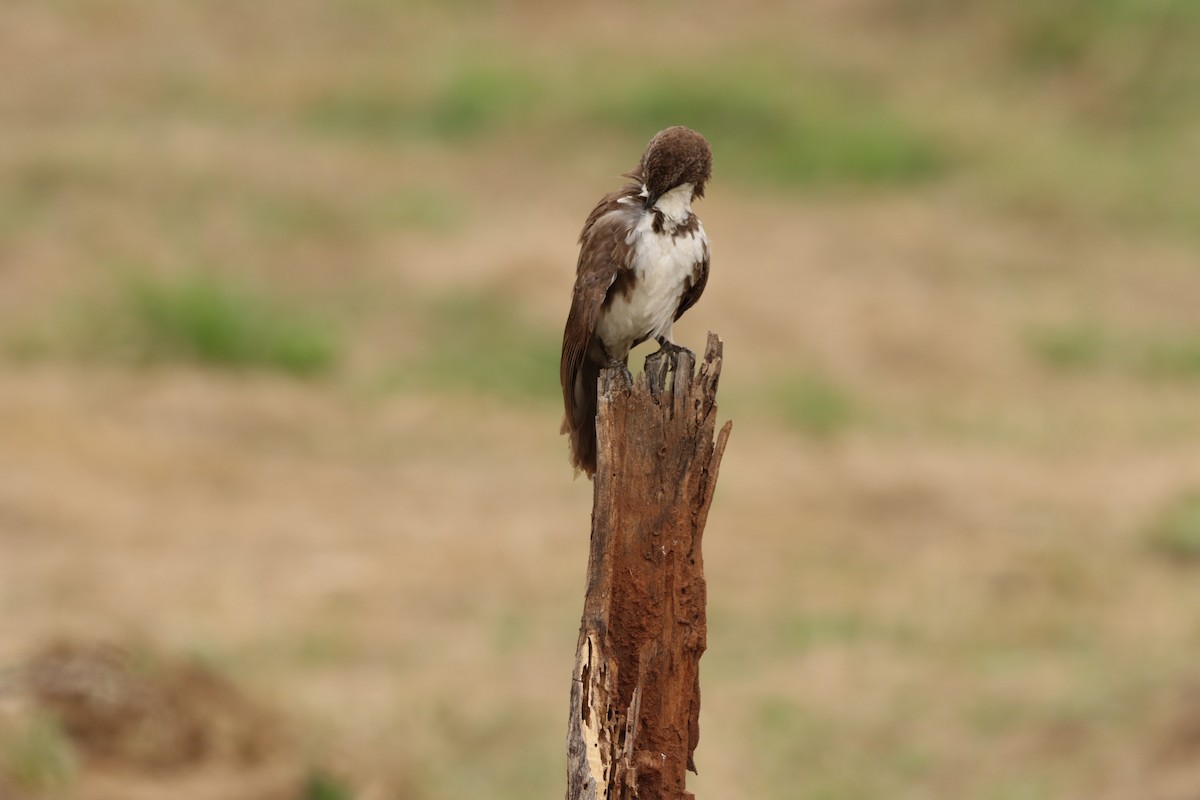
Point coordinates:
[[635, 697]]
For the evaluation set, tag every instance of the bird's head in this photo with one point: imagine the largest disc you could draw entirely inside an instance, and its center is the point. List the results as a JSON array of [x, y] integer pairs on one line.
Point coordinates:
[[675, 156]]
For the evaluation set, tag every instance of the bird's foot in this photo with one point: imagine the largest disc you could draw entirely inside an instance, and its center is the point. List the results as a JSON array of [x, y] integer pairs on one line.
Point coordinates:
[[668, 348], [662, 362], [619, 366]]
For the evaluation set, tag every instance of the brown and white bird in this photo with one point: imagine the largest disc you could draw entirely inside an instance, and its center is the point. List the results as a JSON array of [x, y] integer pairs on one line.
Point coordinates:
[[643, 261]]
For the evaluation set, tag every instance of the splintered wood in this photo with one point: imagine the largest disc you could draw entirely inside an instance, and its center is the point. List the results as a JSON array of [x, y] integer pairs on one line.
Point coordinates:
[[635, 698]]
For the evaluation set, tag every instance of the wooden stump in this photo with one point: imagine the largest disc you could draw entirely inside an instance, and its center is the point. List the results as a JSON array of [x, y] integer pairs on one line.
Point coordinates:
[[635, 698]]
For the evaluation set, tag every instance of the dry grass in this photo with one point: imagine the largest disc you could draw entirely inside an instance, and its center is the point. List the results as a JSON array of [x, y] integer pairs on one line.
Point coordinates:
[[961, 356]]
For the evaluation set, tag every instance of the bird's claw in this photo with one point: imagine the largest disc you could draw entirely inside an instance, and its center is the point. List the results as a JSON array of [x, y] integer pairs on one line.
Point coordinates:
[[662, 362], [620, 367], [669, 348]]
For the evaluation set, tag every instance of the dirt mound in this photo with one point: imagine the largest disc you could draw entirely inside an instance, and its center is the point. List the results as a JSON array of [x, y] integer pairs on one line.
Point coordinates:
[[147, 713], [1175, 759], [1181, 742], [99, 722]]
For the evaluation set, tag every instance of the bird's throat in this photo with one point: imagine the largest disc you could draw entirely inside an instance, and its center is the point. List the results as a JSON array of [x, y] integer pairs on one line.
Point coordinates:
[[676, 205]]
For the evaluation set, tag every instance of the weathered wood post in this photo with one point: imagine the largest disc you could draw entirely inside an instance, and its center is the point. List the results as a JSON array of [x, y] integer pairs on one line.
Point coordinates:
[[635, 698]]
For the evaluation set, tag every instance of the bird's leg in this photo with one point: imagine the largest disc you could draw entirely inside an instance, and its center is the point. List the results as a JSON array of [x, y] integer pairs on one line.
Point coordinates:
[[668, 348], [618, 364], [661, 362]]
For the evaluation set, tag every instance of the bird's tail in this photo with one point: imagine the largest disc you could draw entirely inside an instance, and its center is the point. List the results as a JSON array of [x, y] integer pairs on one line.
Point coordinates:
[[580, 421]]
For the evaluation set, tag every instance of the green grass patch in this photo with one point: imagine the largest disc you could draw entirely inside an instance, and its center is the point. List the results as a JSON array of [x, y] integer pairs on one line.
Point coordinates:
[[1049, 36], [1177, 357], [290, 217], [1128, 63], [504, 750], [206, 319], [1071, 347], [321, 785], [1021, 788], [473, 98], [27, 345], [813, 404], [479, 343], [343, 220], [768, 125], [366, 110], [803, 632], [37, 756], [801, 751], [480, 97], [424, 208], [1175, 532], [1091, 346]]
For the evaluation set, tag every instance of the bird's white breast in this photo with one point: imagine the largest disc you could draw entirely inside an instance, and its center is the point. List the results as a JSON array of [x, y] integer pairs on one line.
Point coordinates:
[[663, 264]]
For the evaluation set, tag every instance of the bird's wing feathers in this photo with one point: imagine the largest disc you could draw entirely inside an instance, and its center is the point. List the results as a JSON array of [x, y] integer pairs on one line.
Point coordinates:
[[695, 286], [603, 254]]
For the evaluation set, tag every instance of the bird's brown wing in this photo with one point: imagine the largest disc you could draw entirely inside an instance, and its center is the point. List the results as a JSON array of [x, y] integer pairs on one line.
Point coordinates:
[[603, 255], [695, 286]]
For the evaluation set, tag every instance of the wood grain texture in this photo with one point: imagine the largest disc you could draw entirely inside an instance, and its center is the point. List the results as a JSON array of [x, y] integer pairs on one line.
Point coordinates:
[[635, 697]]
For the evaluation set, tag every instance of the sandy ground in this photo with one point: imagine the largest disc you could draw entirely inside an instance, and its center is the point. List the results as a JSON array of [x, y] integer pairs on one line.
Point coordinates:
[[952, 595], [958, 587]]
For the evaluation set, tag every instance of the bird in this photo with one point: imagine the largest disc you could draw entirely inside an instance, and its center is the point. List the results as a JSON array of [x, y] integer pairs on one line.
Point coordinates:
[[643, 262]]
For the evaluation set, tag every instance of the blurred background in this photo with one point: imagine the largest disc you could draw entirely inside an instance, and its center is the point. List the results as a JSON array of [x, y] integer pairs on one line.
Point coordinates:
[[284, 512]]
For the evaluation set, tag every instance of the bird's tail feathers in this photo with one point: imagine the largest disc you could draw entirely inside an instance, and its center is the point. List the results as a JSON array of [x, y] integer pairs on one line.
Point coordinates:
[[580, 422]]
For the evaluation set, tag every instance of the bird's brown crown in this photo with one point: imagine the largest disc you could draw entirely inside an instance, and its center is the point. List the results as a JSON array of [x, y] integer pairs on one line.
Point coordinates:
[[675, 156]]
